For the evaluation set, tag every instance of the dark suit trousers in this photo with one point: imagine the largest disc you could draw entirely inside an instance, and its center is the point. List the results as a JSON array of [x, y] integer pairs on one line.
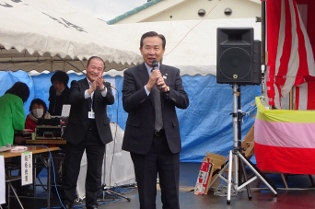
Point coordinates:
[[159, 161], [95, 153]]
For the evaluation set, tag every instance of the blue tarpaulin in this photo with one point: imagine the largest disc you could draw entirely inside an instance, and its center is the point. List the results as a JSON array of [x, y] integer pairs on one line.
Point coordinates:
[[206, 125]]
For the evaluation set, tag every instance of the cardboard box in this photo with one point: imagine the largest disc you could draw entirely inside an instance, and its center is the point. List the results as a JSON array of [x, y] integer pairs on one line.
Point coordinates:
[[218, 161], [211, 164], [204, 177], [248, 144]]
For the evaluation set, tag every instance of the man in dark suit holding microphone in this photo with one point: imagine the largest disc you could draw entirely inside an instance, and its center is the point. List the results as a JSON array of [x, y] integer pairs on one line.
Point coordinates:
[[88, 129], [151, 92]]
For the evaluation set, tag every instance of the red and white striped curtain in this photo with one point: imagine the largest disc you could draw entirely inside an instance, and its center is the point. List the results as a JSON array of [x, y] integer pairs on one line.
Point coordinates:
[[290, 28]]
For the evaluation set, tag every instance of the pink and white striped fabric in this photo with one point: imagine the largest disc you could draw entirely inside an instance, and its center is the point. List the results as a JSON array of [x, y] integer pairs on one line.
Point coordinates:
[[284, 140], [290, 51]]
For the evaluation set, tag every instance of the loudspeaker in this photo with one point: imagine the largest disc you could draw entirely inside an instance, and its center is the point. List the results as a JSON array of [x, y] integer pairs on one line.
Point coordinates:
[[238, 56], [256, 72]]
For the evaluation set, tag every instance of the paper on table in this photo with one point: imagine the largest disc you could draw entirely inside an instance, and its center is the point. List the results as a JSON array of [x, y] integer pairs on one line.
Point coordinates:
[[18, 149], [4, 148], [2, 181]]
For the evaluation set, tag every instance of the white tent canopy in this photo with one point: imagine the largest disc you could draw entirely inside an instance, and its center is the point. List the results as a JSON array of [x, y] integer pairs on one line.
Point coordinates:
[[191, 45], [50, 35], [53, 35]]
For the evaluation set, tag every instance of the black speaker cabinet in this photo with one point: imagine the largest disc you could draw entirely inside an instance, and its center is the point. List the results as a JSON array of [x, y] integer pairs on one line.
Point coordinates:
[[238, 56]]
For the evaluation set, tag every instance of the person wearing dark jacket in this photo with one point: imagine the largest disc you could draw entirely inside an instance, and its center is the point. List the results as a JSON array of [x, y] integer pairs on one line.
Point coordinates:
[[59, 93], [88, 129], [151, 93]]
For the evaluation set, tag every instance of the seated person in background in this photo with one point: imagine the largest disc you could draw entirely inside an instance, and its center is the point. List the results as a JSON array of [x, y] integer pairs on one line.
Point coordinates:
[[12, 112], [38, 109], [59, 93]]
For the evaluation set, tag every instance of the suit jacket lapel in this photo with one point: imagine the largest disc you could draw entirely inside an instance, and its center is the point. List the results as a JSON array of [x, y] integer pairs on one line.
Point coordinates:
[[143, 74], [163, 72]]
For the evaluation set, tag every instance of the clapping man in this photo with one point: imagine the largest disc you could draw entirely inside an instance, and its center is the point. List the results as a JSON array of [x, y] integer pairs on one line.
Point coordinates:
[[88, 129]]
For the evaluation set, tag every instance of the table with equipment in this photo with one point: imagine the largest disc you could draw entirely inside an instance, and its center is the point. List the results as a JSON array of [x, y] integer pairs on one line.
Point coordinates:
[[36, 150]]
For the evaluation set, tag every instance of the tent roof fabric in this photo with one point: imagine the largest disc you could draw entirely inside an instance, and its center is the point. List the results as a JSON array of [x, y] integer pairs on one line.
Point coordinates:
[[53, 35], [50, 32], [191, 45]]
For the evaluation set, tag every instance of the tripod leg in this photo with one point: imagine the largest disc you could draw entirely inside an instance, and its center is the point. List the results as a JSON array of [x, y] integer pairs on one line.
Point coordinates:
[[258, 173], [113, 193], [119, 195], [220, 174], [249, 192], [229, 186]]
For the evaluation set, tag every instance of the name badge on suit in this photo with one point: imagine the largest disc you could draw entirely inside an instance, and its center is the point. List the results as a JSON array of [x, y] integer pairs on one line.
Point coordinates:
[[91, 115]]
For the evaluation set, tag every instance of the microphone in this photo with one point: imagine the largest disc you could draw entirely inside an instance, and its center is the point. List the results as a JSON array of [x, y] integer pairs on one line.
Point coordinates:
[[155, 65]]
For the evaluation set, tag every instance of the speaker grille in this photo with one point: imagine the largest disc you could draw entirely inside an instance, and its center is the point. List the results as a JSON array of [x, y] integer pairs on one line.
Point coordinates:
[[235, 63]]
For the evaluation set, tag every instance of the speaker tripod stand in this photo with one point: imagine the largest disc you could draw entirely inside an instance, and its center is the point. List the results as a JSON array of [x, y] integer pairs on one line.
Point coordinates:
[[108, 190], [239, 180]]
